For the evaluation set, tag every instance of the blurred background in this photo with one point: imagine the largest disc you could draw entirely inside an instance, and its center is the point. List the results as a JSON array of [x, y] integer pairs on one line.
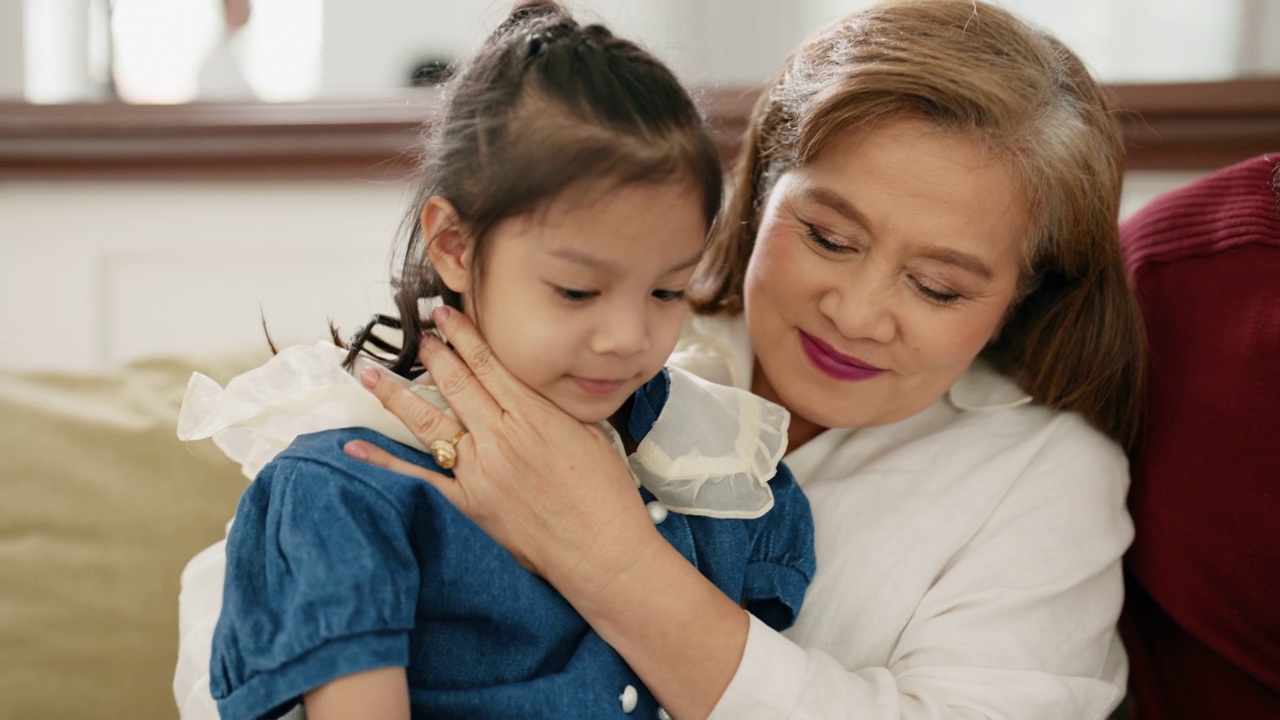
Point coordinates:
[[174, 51], [104, 267]]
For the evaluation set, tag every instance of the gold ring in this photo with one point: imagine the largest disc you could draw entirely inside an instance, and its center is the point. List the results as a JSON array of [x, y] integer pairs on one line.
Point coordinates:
[[445, 452]]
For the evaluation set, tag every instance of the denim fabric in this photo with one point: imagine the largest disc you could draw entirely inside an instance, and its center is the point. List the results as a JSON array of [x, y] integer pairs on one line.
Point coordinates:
[[334, 567]]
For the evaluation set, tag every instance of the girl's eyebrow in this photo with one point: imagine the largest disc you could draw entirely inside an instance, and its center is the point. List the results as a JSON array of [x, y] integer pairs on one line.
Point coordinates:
[[685, 264], [580, 258], [595, 263]]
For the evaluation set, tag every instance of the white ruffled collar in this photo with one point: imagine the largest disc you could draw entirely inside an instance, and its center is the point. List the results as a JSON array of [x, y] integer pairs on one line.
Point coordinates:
[[711, 451]]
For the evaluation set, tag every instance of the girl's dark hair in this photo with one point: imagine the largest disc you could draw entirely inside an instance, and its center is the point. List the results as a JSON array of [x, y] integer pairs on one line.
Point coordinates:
[[546, 105], [1073, 338]]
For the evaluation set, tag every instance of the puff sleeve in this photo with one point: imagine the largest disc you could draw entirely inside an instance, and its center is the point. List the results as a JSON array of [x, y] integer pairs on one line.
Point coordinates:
[[321, 582], [781, 564]]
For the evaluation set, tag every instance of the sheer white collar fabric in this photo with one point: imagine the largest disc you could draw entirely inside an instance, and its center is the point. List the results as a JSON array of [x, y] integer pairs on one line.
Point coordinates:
[[711, 451]]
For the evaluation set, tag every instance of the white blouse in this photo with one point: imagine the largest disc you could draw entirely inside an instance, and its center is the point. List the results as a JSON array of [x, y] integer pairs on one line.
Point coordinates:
[[968, 561]]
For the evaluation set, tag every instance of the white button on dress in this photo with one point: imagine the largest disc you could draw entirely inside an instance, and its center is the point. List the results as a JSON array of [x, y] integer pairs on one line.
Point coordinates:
[[629, 698], [657, 512]]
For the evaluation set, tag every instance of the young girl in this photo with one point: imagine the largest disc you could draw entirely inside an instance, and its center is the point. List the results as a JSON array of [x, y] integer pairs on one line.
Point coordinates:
[[568, 191]]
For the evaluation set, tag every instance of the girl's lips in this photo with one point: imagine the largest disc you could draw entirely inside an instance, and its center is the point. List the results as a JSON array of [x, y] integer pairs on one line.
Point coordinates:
[[597, 387], [834, 363]]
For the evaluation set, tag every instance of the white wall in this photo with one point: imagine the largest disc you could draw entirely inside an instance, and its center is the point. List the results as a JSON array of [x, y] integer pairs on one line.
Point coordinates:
[[371, 45], [95, 274], [745, 41], [11, 80]]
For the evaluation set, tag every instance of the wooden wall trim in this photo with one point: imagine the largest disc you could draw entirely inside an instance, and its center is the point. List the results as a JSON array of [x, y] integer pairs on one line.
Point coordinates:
[[1198, 126], [1191, 126]]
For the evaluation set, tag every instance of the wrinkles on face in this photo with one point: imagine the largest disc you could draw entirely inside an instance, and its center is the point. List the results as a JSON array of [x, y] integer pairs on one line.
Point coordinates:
[[900, 248]]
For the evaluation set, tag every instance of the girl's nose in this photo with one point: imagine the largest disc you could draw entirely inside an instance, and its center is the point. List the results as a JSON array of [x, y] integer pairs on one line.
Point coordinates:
[[624, 331]]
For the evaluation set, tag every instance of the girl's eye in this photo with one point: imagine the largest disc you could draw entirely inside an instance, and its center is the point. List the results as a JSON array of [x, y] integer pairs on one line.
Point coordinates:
[[575, 295], [822, 242], [938, 296], [669, 295]]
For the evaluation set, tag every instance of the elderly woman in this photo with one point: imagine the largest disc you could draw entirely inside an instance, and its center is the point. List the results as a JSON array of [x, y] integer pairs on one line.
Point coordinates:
[[921, 263]]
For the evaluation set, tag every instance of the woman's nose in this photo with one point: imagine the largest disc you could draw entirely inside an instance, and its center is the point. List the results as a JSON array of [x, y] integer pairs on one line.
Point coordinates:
[[862, 308]]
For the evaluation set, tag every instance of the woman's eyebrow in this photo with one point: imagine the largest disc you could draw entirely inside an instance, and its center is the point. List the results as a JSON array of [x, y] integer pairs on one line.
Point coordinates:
[[951, 256], [833, 201], [962, 260]]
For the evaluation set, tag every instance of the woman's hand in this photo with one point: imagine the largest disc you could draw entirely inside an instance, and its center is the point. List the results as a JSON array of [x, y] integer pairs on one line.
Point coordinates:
[[554, 493], [548, 488]]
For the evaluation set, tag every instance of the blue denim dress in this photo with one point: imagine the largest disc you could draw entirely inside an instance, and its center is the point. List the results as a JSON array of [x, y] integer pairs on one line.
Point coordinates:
[[336, 567]]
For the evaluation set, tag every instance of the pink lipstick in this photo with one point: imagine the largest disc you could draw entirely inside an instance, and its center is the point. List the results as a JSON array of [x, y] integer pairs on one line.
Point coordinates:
[[833, 363]]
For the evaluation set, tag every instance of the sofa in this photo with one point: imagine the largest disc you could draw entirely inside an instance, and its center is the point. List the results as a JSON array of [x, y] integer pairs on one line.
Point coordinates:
[[102, 508]]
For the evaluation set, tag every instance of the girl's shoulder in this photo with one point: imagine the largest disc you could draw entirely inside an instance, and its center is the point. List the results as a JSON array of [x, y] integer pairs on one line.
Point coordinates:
[[303, 389], [314, 473], [706, 448]]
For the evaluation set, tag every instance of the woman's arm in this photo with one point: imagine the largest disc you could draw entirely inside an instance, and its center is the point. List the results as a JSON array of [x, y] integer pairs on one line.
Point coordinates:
[[1012, 617], [381, 694], [554, 492], [1020, 624]]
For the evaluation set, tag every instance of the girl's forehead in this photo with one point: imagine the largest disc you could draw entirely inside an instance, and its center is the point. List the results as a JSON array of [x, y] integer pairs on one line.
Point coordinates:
[[624, 226]]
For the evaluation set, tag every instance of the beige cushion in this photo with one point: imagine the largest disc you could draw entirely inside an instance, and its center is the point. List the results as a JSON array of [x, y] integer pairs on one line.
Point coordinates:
[[102, 506]]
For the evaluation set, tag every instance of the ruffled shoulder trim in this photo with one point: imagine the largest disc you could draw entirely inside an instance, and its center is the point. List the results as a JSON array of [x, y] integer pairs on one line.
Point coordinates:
[[712, 450], [303, 389]]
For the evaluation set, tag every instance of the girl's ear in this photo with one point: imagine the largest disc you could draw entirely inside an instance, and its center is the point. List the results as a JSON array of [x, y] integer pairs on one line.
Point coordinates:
[[448, 247]]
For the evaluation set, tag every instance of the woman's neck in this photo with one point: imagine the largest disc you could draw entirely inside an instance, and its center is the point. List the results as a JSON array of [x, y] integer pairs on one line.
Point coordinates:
[[801, 430]]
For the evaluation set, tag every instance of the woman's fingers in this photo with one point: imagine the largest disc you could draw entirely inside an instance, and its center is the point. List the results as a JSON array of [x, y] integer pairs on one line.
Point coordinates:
[[374, 455], [425, 421], [499, 384]]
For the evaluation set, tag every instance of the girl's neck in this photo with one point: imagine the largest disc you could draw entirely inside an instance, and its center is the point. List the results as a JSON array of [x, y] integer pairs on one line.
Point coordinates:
[[620, 420]]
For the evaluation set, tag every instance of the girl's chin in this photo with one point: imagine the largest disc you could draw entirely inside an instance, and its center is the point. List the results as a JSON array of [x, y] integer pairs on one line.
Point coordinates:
[[585, 412]]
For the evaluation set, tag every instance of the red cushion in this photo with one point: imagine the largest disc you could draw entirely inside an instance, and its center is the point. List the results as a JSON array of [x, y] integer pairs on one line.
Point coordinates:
[[1205, 262]]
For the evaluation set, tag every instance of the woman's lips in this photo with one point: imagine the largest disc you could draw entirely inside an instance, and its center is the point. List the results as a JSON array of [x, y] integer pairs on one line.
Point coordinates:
[[834, 363]]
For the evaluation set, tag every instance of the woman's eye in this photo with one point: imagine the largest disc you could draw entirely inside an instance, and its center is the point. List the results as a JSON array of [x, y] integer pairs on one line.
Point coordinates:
[[669, 295], [942, 297], [821, 241], [575, 295]]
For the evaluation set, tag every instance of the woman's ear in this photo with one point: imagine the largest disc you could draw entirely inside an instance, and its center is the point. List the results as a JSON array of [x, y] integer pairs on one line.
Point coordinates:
[[448, 247]]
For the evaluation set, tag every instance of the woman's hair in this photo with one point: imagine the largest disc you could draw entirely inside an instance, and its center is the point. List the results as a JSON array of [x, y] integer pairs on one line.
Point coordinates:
[[1073, 337], [544, 107]]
